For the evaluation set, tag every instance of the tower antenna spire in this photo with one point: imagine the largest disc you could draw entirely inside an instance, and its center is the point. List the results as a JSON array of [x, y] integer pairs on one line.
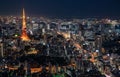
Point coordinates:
[[24, 35]]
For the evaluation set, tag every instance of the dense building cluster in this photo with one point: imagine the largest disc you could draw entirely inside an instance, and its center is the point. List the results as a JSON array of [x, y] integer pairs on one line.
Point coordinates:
[[60, 47]]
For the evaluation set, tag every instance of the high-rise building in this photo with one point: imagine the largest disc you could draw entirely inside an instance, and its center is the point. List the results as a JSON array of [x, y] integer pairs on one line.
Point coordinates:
[[0, 31], [98, 44], [1, 50]]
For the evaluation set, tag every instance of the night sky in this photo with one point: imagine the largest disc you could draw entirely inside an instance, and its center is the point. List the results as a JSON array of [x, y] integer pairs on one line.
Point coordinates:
[[62, 8]]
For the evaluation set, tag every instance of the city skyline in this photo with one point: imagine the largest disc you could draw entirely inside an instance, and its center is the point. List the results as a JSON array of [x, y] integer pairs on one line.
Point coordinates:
[[62, 8]]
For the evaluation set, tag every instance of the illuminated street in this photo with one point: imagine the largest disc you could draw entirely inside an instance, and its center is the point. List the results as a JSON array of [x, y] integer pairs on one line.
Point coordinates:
[[57, 41]]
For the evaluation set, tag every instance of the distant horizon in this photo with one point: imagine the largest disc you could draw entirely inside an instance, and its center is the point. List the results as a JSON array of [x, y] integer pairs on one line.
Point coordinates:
[[65, 17]]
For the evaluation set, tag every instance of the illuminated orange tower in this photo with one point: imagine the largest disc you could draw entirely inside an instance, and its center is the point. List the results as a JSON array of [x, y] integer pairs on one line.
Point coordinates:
[[24, 35]]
